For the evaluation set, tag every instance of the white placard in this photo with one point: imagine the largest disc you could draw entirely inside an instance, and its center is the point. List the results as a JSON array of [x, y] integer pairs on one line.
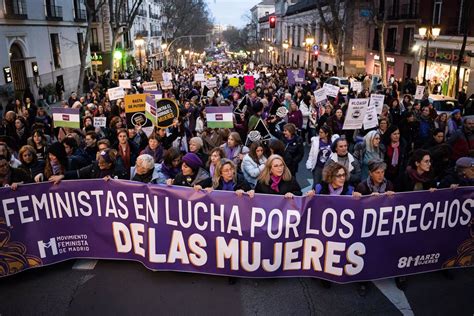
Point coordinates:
[[355, 113], [200, 71], [320, 96], [166, 85], [211, 83], [100, 122], [199, 77], [331, 90], [116, 93], [167, 77], [210, 93], [150, 86], [370, 119], [420, 90], [377, 101], [356, 86], [125, 83]]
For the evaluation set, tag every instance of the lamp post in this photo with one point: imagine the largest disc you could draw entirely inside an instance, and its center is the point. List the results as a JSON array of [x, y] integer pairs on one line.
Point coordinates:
[[139, 42], [163, 49], [428, 34], [179, 50], [309, 41], [285, 45], [260, 55]]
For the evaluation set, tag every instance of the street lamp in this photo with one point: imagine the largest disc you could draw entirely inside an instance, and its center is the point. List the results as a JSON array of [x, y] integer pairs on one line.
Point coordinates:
[[285, 45], [139, 42], [428, 34], [309, 41]]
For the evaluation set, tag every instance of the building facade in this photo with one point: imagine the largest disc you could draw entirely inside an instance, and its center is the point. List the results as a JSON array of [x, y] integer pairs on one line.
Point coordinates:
[[443, 52], [42, 44], [300, 20]]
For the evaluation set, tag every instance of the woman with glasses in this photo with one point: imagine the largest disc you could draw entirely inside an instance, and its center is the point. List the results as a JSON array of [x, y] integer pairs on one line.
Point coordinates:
[[276, 178], [334, 182], [418, 175], [369, 149]]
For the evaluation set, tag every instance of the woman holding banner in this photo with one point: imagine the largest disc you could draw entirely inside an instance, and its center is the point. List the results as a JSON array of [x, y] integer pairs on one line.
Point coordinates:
[[334, 182], [376, 183], [226, 178], [192, 174], [276, 178]]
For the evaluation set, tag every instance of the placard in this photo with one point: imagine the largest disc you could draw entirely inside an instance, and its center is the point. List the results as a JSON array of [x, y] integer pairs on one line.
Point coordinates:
[[356, 86], [234, 82], [320, 96], [135, 111], [167, 76], [157, 75], [370, 118], [249, 82], [166, 111], [355, 113], [100, 121], [116, 93], [199, 78], [166, 85], [150, 108], [219, 117], [377, 100], [150, 86], [125, 83], [331, 90], [295, 76], [420, 90], [211, 83], [66, 117]]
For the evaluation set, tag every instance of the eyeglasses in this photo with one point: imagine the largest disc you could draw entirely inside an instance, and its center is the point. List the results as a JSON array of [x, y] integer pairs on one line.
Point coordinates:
[[340, 175]]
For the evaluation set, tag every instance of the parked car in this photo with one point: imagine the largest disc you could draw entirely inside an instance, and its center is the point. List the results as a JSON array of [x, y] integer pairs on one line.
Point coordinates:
[[442, 103], [341, 82]]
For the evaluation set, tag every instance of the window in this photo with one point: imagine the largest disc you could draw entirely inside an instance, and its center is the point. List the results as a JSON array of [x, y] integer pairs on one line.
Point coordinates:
[[375, 44], [407, 36], [80, 43], [391, 40], [56, 48], [437, 12]]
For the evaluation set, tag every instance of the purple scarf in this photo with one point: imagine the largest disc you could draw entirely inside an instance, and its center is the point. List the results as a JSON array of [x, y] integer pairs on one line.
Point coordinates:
[[157, 154], [169, 172], [333, 191], [275, 182], [228, 186]]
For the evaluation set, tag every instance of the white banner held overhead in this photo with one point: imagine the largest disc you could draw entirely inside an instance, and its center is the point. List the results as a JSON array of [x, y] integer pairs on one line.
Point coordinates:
[[355, 113], [356, 86], [320, 96]]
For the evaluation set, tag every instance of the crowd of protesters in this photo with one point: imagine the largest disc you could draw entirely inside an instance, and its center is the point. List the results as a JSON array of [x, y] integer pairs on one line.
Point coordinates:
[[413, 148]]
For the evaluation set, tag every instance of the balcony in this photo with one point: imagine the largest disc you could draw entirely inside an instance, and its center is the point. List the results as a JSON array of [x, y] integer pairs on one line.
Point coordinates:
[[53, 12], [406, 11], [96, 47], [156, 33], [16, 9], [142, 12], [154, 16], [80, 15]]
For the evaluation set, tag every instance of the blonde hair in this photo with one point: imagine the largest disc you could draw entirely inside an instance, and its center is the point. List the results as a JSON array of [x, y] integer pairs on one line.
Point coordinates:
[[217, 174], [265, 175]]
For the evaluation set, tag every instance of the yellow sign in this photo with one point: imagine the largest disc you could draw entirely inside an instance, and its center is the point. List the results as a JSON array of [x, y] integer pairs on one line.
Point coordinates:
[[135, 103], [234, 82]]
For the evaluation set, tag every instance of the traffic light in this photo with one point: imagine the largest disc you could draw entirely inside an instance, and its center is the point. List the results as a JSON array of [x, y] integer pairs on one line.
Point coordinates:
[[316, 54], [273, 20]]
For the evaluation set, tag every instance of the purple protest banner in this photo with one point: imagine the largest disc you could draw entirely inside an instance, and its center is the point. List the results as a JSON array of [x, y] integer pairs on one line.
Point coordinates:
[[341, 239], [295, 76]]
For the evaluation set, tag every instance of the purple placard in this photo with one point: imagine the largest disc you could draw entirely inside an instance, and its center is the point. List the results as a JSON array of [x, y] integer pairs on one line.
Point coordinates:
[[342, 239], [295, 76]]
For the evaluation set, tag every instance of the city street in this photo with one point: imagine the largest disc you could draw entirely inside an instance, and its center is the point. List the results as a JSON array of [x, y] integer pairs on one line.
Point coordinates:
[[127, 288]]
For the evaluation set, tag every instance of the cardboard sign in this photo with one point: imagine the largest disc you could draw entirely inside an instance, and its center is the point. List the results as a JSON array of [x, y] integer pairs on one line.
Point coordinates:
[[135, 102], [234, 82], [356, 86], [166, 85], [320, 96], [355, 113], [157, 75], [199, 78], [116, 93], [331, 90], [126, 84], [420, 90], [150, 86], [167, 76], [166, 111], [249, 82], [377, 101], [370, 119], [211, 83], [100, 121]]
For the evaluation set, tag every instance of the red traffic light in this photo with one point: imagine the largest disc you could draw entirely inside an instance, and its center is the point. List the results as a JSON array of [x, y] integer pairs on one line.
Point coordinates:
[[272, 21]]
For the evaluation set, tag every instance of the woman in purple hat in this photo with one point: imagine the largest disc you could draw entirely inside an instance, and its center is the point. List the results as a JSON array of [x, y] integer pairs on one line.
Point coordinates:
[[192, 174]]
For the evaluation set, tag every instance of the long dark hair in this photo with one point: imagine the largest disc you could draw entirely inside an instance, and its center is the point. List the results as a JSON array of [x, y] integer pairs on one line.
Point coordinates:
[[253, 151]]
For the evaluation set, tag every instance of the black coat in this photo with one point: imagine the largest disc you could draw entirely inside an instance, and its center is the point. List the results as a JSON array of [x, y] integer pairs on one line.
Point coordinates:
[[241, 184], [92, 171], [294, 152], [291, 186]]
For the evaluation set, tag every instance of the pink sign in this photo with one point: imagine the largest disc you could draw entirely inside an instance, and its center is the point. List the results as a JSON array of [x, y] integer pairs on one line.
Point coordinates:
[[249, 82]]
